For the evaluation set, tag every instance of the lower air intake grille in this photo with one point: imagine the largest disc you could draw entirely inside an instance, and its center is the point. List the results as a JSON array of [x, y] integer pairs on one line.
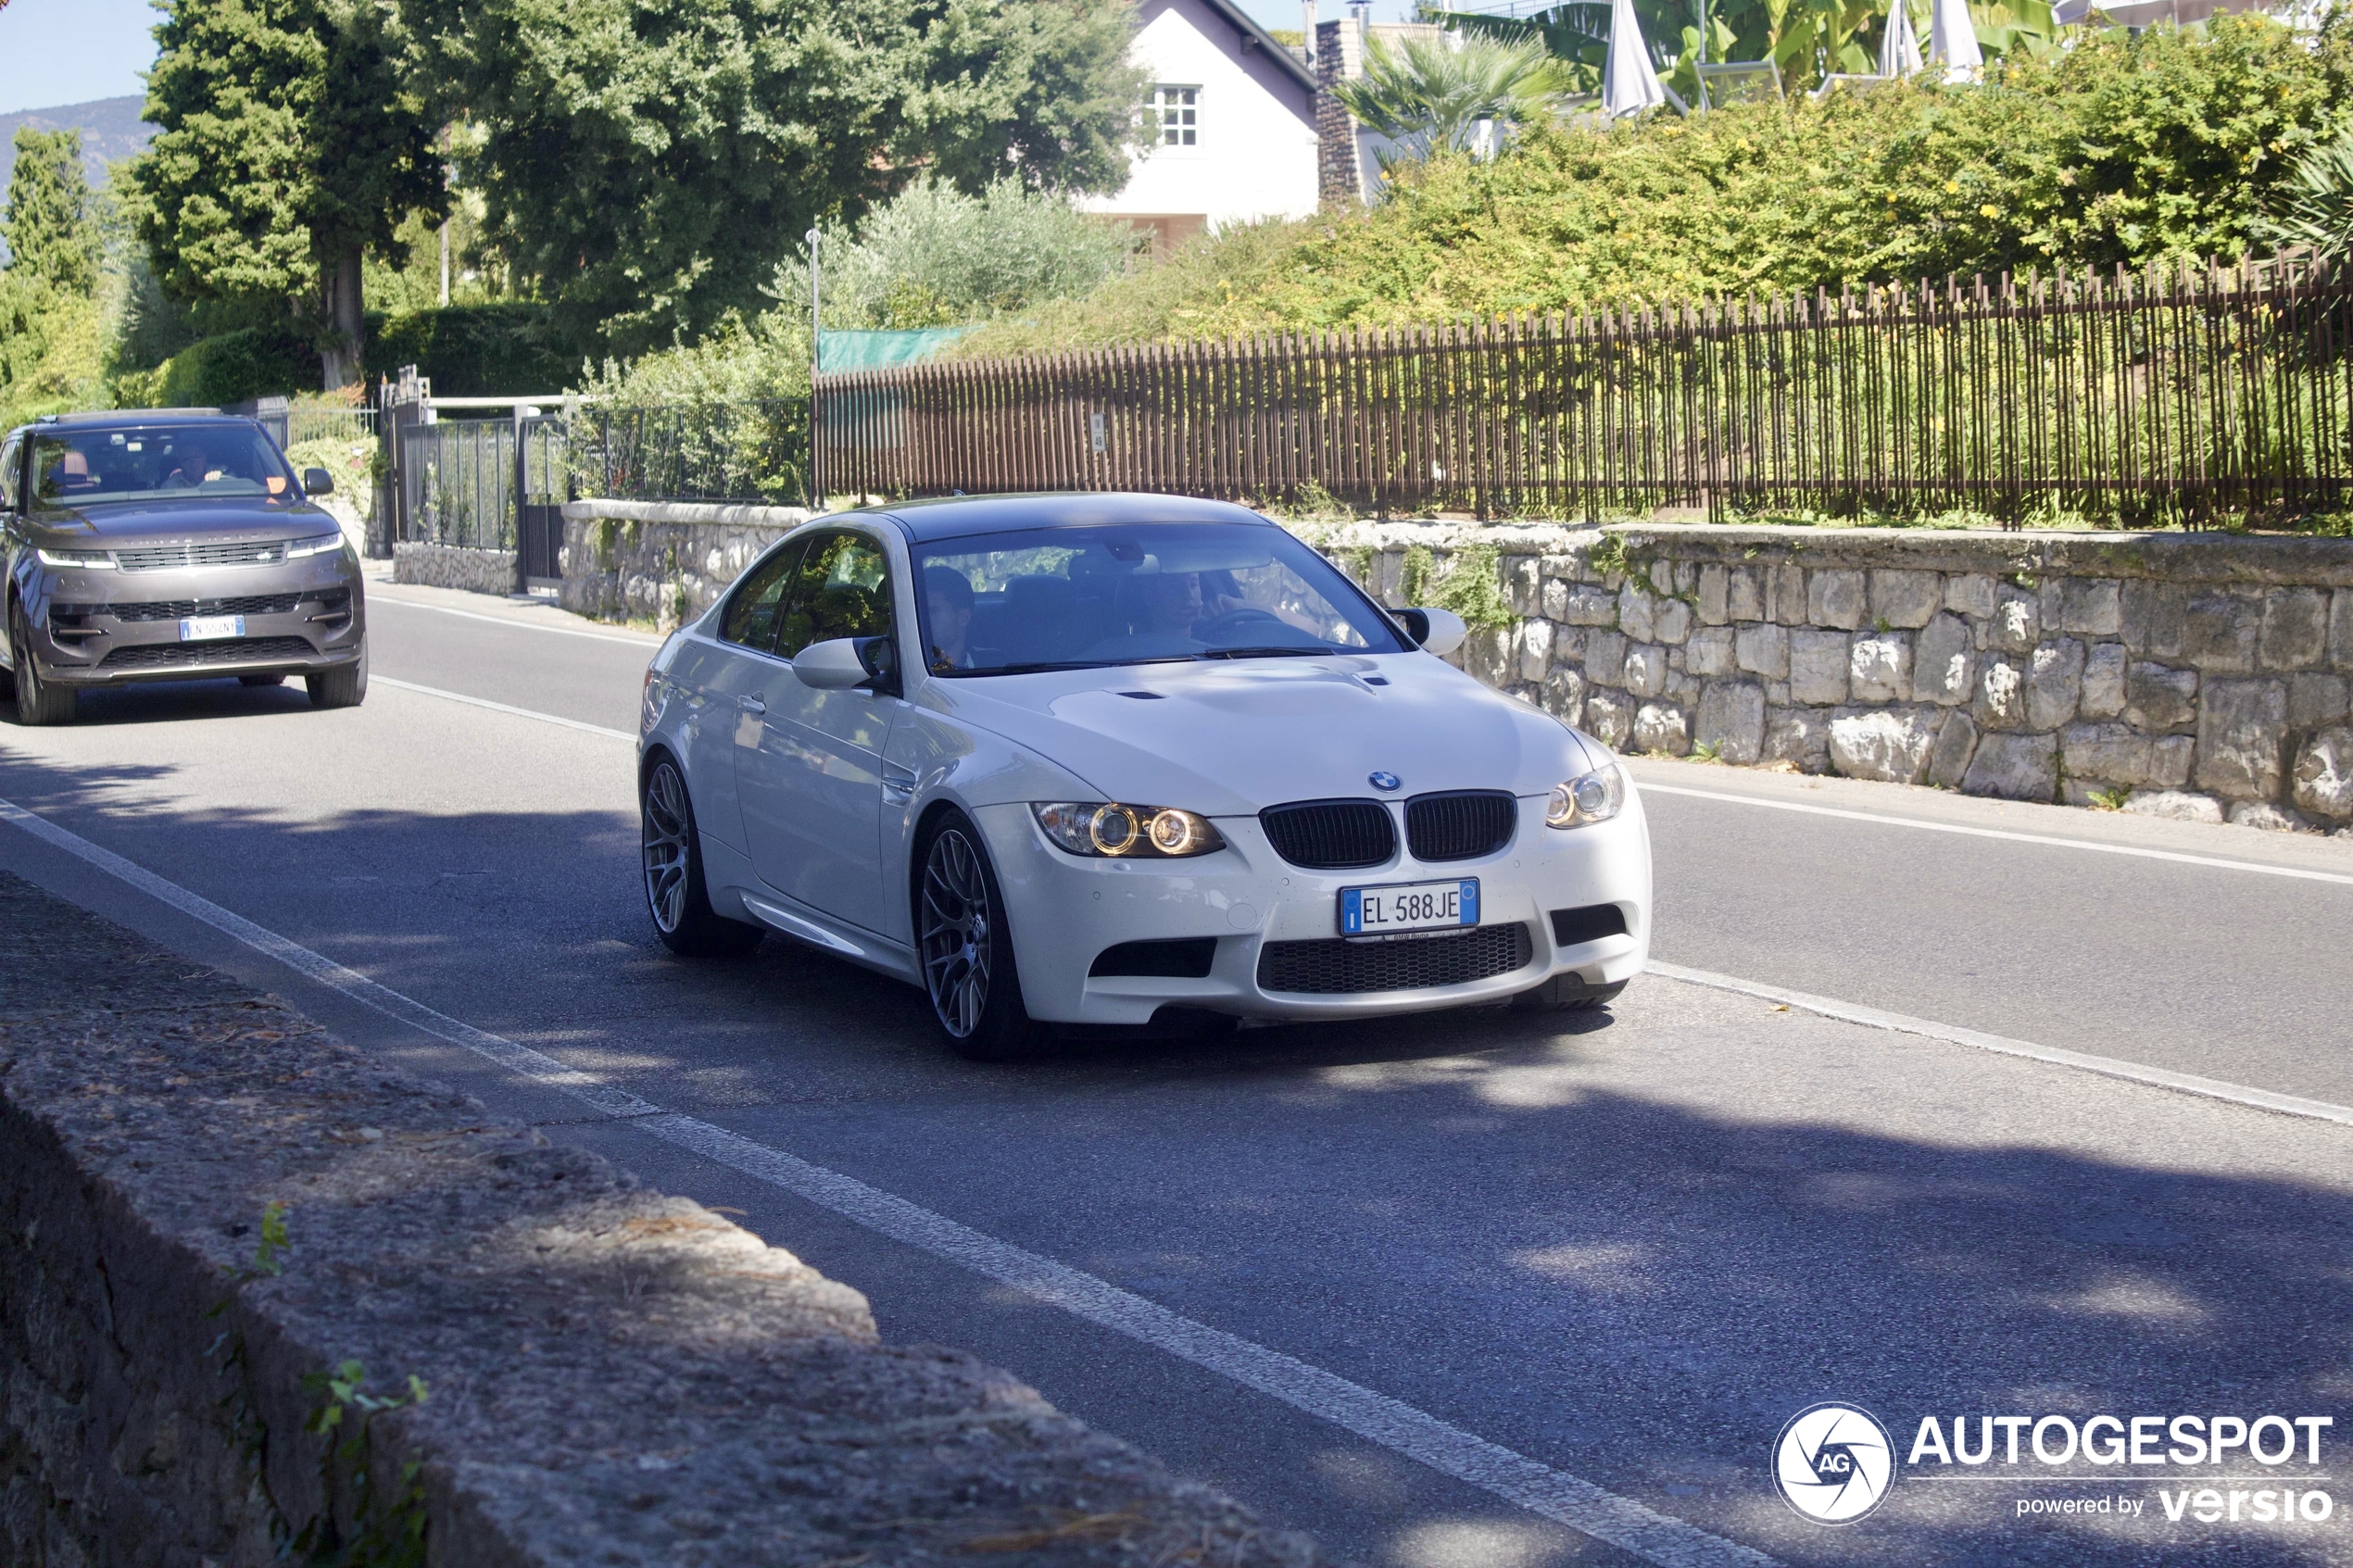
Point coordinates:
[[1461, 826], [1330, 836], [190, 656], [1590, 922], [1333, 967], [176, 609], [1182, 958]]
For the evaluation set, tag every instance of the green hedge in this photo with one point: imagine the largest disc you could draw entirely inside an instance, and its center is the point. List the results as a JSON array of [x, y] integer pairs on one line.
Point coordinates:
[[476, 350], [466, 350]]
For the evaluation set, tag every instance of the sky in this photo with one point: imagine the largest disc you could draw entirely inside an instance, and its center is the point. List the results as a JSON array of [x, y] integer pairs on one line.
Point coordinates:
[[56, 52]]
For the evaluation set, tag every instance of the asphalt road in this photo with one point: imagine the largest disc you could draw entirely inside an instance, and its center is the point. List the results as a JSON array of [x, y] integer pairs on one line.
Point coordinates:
[[1626, 1250]]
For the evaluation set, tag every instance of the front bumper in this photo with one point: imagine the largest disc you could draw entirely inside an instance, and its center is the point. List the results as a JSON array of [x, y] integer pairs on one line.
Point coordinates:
[[1067, 910], [108, 628]]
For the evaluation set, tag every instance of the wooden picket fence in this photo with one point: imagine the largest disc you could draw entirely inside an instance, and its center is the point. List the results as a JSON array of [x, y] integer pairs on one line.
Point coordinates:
[[2185, 395]]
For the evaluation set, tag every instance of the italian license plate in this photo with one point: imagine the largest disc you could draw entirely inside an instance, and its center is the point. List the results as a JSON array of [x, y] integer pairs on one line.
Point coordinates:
[[1407, 908], [196, 628]]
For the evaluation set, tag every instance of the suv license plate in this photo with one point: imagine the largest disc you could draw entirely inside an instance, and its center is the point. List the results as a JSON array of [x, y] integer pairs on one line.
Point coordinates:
[[196, 629], [1407, 908]]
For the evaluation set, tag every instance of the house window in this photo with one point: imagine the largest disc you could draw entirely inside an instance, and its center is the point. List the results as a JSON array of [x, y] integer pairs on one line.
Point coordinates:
[[1174, 110]]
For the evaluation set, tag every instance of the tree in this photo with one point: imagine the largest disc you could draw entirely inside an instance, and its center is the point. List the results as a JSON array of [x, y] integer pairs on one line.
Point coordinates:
[[1430, 95], [649, 163], [287, 146], [2316, 203], [52, 225]]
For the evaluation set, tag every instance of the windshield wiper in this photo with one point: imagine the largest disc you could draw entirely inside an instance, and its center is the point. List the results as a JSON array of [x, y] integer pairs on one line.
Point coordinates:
[[1064, 664], [1266, 653]]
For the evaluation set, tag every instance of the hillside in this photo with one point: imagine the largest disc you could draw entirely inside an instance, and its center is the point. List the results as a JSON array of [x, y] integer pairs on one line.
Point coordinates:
[[111, 131]]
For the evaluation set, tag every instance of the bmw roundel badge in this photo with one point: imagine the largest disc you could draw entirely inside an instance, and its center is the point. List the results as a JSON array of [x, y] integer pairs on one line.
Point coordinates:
[[1383, 781]]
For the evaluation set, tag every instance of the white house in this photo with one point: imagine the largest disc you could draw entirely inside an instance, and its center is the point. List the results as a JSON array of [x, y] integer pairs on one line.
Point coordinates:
[[1234, 114]]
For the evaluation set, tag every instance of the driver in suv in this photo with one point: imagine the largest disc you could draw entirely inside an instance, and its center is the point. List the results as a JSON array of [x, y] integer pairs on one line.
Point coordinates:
[[171, 545]]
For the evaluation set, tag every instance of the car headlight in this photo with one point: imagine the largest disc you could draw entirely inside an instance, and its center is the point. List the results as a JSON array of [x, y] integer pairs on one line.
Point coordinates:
[[297, 548], [1589, 797], [89, 560], [1108, 827]]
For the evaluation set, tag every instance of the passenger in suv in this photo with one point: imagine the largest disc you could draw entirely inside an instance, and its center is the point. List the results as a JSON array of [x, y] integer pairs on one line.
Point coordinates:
[[171, 545]]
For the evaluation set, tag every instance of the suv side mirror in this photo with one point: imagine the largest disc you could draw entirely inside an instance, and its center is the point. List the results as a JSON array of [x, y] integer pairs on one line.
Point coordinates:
[[1437, 630], [317, 482]]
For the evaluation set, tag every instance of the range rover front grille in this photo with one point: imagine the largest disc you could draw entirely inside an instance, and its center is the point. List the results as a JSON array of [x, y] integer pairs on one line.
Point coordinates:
[[189, 655], [1330, 836], [1461, 824], [162, 557], [1336, 967]]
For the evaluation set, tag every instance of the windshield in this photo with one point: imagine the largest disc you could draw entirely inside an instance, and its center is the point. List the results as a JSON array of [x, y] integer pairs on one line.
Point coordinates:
[[74, 468], [1052, 598]]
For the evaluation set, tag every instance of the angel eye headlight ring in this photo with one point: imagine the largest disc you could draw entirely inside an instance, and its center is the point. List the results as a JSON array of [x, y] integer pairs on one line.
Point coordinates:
[[1590, 798], [1116, 829], [1112, 829]]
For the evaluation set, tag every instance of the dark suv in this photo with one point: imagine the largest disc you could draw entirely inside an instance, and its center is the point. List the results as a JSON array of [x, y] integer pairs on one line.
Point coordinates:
[[161, 545]]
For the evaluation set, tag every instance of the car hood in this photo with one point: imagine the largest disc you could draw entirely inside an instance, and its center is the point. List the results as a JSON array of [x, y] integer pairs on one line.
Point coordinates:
[[225, 520], [1230, 739]]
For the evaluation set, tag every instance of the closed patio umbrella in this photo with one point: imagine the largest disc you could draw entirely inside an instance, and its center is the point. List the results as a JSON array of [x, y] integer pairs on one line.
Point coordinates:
[[1952, 41], [1628, 85], [1899, 52]]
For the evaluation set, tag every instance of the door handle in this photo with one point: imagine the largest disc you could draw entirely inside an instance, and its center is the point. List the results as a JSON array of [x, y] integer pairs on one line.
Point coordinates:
[[751, 703], [898, 783]]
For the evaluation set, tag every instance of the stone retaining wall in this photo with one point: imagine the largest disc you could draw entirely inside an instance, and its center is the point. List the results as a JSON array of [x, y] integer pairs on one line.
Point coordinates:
[[453, 566], [662, 561], [608, 1376], [2202, 676]]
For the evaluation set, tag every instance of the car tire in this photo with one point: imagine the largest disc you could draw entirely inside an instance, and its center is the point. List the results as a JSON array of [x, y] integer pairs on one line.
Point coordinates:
[[1566, 993], [967, 948], [343, 687], [677, 898], [38, 701], [261, 680]]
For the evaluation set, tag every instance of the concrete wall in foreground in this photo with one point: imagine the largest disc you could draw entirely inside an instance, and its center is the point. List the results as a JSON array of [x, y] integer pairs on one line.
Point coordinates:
[[609, 1375], [2196, 675]]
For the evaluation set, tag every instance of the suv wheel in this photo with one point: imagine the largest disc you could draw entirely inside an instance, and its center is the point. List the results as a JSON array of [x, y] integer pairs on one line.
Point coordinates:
[[38, 702], [343, 687]]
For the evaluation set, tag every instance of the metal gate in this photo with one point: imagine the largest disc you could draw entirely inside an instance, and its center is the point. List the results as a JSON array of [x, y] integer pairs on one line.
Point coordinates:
[[484, 485]]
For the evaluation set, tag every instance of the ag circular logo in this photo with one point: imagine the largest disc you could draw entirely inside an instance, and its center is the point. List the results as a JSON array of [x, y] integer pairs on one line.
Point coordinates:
[[1383, 781], [1833, 1463]]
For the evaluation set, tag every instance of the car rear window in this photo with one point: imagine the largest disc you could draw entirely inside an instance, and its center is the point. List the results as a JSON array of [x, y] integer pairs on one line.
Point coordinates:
[[73, 467]]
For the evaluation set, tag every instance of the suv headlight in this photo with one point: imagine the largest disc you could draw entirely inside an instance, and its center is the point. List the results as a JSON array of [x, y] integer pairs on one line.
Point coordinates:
[[88, 560], [297, 548], [1589, 797], [1108, 827]]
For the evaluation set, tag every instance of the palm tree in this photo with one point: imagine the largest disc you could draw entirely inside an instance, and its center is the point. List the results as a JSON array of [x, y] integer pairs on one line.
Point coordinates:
[[1429, 95], [2316, 202]]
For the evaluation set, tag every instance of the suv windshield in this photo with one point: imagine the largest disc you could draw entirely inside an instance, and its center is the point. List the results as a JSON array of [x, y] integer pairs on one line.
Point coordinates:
[[74, 468], [1134, 594]]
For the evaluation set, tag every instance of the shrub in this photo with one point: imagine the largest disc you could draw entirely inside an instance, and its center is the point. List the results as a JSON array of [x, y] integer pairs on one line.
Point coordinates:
[[475, 350]]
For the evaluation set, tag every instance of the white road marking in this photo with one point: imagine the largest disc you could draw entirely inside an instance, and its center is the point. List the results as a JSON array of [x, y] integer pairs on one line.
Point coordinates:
[[2093, 844], [1903, 1024], [377, 597], [1553, 1494], [500, 707]]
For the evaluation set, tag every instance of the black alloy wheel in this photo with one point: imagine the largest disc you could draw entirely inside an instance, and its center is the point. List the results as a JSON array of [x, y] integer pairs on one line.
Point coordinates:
[[38, 701], [967, 949], [676, 895]]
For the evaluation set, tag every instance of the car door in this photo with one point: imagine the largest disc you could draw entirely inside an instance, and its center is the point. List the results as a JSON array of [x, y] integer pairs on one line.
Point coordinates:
[[724, 680], [809, 775], [11, 525]]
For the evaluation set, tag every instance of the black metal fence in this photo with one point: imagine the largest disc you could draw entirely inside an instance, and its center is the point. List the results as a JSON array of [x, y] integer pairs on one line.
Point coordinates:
[[460, 481], [2134, 398]]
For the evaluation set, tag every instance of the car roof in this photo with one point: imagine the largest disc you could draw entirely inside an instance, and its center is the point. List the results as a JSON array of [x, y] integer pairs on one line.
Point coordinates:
[[952, 516]]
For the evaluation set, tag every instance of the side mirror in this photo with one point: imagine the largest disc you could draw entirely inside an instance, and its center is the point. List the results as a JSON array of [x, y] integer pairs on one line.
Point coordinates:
[[317, 482], [1437, 630], [842, 663]]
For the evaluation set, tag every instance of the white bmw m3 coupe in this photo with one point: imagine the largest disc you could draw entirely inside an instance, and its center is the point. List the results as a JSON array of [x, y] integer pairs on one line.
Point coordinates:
[[1087, 759]]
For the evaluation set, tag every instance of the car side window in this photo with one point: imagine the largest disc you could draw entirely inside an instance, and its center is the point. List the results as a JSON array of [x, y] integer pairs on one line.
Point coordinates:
[[752, 614], [841, 590], [9, 474]]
